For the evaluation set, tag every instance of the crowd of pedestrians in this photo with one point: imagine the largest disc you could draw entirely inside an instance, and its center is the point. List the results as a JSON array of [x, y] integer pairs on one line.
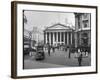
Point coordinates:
[[77, 51]]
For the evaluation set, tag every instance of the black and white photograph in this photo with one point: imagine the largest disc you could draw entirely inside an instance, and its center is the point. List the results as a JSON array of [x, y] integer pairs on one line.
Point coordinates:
[[53, 39], [56, 39]]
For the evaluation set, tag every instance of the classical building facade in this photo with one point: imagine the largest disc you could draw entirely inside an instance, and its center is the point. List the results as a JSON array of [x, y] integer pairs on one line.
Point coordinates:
[[59, 34], [82, 29]]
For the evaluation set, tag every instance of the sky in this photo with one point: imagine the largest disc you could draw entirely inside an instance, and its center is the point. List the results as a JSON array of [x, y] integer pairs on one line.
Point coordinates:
[[43, 19], [39, 20]]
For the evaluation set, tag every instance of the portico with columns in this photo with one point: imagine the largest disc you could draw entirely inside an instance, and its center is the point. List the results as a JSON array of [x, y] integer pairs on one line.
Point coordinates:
[[58, 34]]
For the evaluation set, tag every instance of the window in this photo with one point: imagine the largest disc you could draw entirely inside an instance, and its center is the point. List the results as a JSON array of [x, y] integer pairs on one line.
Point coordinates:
[[79, 22], [85, 15], [85, 23]]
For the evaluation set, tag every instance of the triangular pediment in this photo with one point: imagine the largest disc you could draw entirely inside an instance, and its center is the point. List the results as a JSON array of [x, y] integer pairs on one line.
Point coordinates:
[[58, 27]]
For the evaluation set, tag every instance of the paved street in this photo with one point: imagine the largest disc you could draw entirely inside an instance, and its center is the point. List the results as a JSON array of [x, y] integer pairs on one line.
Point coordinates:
[[57, 59]]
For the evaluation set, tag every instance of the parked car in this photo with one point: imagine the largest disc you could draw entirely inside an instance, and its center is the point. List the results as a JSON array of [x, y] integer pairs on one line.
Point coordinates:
[[40, 55]]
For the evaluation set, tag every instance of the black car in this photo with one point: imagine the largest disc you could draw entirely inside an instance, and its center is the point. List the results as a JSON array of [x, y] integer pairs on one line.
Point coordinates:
[[40, 55]]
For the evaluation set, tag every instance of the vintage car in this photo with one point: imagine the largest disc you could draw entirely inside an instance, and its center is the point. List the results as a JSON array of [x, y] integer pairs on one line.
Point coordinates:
[[40, 55]]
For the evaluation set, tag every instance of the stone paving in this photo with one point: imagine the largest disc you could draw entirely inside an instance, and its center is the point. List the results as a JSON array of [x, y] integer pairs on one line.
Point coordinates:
[[57, 59]]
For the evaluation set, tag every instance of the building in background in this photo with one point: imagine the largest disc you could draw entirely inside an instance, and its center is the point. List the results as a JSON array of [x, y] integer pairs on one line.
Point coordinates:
[[82, 29], [59, 34]]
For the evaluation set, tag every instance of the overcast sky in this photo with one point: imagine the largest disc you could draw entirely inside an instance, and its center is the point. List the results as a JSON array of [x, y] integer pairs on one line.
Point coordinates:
[[42, 19], [39, 20]]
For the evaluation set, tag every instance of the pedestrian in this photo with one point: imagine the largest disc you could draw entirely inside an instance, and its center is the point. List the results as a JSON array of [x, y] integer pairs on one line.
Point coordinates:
[[49, 50], [69, 51], [66, 47], [80, 59], [53, 48]]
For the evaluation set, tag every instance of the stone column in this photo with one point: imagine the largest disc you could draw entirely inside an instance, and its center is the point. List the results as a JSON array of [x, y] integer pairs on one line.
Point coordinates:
[[67, 38], [44, 37], [53, 38], [60, 38], [56, 37], [64, 37], [50, 38], [76, 39]]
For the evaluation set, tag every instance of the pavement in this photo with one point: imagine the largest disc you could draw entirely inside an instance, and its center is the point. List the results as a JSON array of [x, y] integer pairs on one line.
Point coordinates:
[[56, 59]]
